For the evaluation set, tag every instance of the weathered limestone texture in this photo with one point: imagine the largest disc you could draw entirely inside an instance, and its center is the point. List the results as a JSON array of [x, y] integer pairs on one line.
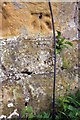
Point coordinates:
[[35, 18], [26, 49], [27, 72]]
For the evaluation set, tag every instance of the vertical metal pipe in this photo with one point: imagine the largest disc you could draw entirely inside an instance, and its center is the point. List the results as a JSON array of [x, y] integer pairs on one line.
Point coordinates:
[[54, 39]]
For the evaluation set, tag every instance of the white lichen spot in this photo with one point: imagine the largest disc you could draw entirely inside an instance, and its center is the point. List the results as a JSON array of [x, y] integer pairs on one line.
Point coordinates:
[[13, 114], [10, 105], [27, 99], [3, 117]]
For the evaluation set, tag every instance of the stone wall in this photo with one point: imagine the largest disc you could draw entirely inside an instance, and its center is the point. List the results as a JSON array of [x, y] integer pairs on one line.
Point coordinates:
[[27, 72], [19, 17], [26, 49]]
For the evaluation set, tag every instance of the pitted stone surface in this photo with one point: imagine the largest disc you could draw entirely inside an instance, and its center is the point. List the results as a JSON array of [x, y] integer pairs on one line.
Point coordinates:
[[26, 51], [18, 17], [27, 72]]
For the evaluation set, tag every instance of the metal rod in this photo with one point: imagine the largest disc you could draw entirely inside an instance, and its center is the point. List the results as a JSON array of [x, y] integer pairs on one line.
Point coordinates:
[[54, 82]]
